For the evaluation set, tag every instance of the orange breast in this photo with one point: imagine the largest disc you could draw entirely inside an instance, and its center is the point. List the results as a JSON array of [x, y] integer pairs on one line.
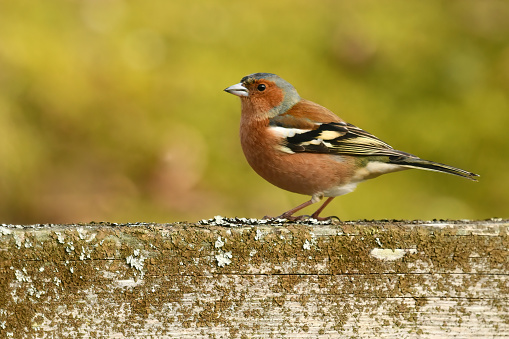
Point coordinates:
[[304, 173]]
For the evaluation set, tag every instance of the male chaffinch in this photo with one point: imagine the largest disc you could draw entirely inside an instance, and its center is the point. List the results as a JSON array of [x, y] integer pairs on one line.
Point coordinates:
[[303, 147]]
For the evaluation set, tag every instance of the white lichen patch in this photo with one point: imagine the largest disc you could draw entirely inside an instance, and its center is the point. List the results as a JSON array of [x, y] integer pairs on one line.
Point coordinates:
[[136, 261], [32, 291], [91, 237], [306, 245], [5, 231], [128, 283], [258, 235], [438, 224], [18, 240], [109, 275], [84, 255], [390, 254], [219, 242], [232, 222], [70, 247], [224, 259], [60, 237], [28, 243], [81, 232], [22, 276]]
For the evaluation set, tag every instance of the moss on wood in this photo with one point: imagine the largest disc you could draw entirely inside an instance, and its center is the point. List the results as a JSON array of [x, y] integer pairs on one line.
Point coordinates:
[[187, 280]]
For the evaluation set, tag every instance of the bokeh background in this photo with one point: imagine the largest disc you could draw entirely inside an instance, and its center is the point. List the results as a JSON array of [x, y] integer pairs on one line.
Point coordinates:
[[113, 110]]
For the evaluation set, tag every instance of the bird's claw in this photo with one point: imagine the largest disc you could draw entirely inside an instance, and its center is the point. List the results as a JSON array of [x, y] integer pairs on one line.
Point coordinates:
[[301, 217], [326, 218]]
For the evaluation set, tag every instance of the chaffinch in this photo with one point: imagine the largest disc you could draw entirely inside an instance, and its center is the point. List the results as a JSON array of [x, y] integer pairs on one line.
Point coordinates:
[[303, 147]]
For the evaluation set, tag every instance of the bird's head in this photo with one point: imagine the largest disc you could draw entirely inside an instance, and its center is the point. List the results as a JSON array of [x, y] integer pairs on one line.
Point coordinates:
[[264, 95]]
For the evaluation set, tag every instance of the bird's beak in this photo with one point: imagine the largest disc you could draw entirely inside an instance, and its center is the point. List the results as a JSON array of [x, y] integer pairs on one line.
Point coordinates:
[[238, 90]]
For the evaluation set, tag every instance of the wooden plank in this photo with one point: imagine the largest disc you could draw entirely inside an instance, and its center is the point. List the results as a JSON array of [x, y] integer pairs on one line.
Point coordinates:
[[243, 278]]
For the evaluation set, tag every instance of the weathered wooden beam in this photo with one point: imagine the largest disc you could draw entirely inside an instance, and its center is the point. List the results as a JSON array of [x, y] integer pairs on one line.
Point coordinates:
[[241, 279]]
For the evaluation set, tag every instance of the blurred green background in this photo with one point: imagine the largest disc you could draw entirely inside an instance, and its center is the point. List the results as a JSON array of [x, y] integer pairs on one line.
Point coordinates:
[[113, 110]]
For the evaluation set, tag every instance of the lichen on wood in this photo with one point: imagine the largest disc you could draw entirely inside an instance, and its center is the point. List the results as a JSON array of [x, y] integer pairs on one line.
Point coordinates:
[[243, 278]]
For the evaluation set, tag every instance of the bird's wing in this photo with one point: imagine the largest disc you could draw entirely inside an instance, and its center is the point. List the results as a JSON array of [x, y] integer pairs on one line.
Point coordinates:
[[314, 129], [321, 131], [340, 138]]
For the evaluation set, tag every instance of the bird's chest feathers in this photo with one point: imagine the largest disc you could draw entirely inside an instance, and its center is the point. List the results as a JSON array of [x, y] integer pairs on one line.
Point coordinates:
[[259, 143]]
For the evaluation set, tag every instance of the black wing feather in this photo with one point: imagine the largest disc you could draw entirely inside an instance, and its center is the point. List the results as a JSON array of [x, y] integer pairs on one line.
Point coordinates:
[[340, 138]]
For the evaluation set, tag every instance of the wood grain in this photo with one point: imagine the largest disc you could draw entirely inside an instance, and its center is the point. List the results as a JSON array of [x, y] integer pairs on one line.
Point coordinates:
[[226, 278]]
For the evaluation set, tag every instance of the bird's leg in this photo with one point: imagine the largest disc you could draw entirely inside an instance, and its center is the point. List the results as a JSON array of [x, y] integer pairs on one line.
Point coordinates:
[[314, 199], [288, 214], [319, 210]]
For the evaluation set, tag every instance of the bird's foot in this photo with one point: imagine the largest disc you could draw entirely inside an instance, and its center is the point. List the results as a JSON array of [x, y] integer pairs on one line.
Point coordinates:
[[287, 217], [294, 218], [332, 217], [302, 217]]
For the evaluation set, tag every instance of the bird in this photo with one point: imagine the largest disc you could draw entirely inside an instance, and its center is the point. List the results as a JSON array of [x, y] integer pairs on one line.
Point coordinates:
[[303, 147]]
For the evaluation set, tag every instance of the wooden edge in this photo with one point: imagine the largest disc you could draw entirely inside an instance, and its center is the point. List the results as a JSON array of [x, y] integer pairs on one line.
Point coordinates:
[[246, 278]]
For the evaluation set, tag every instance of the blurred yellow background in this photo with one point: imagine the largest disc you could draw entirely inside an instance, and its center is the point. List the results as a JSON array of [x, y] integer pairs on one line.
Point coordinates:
[[114, 110]]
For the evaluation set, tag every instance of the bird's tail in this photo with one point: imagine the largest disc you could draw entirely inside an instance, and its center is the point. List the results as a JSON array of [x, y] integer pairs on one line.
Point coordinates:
[[412, 162]]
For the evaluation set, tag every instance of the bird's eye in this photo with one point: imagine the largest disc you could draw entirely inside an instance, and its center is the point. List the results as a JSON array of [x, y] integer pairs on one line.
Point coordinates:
[[261, 87]]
